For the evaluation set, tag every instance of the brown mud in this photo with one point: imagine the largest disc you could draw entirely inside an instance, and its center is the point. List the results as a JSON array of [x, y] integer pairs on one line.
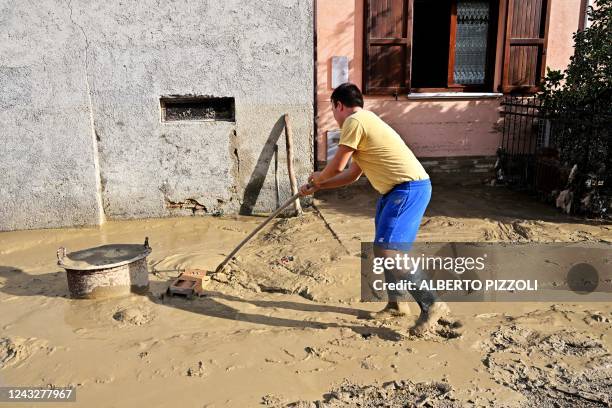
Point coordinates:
[[283, 325]]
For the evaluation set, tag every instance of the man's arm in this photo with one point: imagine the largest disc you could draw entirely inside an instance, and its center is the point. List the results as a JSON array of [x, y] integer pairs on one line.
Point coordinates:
[[335, 166], [345, 177]]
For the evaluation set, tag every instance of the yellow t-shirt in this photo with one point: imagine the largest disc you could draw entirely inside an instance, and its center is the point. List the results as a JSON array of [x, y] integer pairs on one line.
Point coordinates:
[[380, 151]]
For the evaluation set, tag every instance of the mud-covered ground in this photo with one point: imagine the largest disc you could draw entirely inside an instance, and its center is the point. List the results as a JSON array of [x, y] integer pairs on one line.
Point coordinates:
[[282, 325]]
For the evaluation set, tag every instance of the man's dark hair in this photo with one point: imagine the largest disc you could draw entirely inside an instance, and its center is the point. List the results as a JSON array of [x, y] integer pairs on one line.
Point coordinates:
[[349, 94]]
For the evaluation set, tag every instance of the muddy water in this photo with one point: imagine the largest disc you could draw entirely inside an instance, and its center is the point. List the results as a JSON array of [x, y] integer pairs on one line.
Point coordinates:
[[283, 322]]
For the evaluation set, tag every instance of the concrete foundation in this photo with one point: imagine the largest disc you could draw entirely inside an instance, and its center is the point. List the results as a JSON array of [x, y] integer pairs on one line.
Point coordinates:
[[81, 129], [459, 170]]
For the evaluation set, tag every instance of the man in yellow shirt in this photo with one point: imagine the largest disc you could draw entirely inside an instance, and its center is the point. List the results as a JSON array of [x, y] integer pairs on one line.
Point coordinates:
[[393, 170]]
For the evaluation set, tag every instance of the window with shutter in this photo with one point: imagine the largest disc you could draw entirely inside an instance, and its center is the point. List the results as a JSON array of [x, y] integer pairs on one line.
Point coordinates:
[[449, 45], [425, 45], [388, 37], [525, 44]]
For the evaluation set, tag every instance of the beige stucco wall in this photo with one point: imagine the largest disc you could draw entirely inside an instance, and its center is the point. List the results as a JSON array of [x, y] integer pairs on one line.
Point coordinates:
[[80, 122], [432, 128]]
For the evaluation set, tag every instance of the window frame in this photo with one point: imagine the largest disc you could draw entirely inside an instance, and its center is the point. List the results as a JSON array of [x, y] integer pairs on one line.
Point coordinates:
[[405, 40], [493, 42], [541, 41]]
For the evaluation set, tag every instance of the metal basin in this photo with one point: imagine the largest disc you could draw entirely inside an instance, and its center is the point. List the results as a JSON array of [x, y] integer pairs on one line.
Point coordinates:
[[107, 270]]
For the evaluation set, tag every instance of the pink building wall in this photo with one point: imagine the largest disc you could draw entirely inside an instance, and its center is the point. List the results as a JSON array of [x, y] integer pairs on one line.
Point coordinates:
[[431, 128]]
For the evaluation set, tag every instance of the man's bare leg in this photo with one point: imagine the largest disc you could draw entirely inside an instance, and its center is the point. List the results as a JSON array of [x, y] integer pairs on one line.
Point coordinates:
[[392, 309], [432, 310], [429, 318]]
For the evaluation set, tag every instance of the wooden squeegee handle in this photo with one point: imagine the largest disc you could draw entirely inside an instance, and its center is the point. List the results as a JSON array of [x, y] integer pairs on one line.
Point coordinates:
[[256, 230]]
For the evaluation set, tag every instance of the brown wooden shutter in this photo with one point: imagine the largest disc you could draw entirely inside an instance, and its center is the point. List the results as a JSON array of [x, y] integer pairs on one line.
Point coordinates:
[[525, 45], [388, 46]]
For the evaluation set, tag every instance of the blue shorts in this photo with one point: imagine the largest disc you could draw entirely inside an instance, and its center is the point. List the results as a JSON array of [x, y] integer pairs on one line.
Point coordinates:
[[399, 212]]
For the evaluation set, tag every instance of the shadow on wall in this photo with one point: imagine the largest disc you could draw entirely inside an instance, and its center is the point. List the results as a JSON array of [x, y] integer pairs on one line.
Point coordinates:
[[258, 176], [434, 128], [445, 128], [342, 44]]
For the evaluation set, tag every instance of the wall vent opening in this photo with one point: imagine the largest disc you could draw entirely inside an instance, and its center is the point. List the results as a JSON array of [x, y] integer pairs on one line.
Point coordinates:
[[197, 108]]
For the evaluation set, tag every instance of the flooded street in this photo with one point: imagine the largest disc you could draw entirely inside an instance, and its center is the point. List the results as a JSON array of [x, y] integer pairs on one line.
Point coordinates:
[[285, 317]]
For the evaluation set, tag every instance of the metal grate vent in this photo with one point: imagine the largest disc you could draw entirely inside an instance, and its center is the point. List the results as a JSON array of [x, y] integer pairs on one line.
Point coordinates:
[[197, 108]]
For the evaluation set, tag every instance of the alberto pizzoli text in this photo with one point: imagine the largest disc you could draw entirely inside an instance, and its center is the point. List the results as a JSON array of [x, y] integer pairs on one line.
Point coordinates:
[[459, 285]]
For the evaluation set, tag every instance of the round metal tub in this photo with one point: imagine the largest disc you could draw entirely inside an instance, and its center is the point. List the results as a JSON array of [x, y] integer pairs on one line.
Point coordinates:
[[107, 270]]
